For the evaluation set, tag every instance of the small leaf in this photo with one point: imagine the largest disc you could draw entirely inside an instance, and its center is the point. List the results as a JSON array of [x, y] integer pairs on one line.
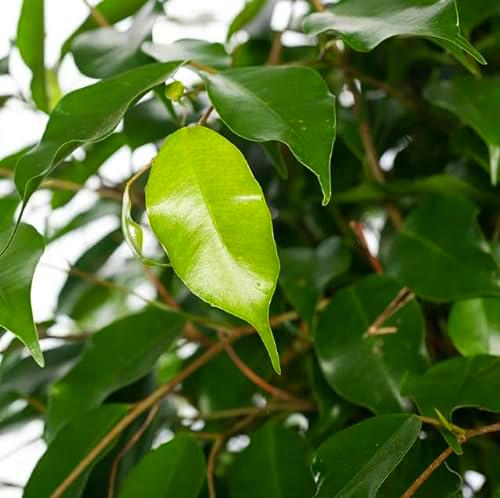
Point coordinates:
[[17, 266], [118, 355], [67, 450], [474, 101], [30, 41], [210, 54], [291, 105], [474, 326], [174, 91], [210, 215], [305, 273], [176, 468], [441, 254], [250, 11], [273, 465], [104, 52], [364, 24], [377, 363], [355, 462], [456, 383]]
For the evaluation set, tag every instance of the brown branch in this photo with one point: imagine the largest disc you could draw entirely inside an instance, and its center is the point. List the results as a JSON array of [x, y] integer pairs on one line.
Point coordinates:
[[130, 444], [204, 118], [403, 297], [357, 228], [275, 52], [99, 19]]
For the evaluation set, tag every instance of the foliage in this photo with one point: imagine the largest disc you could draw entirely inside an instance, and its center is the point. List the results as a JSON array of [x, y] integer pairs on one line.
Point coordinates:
[[325, 334]]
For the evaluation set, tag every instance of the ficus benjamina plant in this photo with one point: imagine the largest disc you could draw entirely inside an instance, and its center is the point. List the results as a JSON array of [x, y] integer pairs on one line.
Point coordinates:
[[300, 293]]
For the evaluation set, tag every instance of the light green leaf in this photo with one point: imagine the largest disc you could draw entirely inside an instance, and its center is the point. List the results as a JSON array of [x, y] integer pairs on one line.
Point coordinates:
[[355, 462], [30, 41], [17, 266], [291, 105], [379, 362], [474, 101], [474, 326], [117, 356], [210, 215], [365, 24], [441, 254], [176, 468], [272, 466], [250, 10], [460, 382], [67, 450], [305, 273], [104, 52], [210, 54]]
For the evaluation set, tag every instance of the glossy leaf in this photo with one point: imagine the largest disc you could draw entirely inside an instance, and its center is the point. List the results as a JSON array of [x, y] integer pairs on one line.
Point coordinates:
[[440, 252], [104, 52], [210, 215], [252, 103], [250, 10], [273, 465], [30, 40], [17, 266], [459, 382], [378, 362], [474, 102], [363, 25], [474, 326], [210, 54], [67, 450], [176, 468], [355, 462], [85, 115], [306, 272], [117, 356]]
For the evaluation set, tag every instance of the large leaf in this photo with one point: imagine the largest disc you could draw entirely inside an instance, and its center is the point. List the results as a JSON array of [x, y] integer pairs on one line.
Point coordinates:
[[176, 468], [67, 450], [104, 52], [273, 465], [474, 326], [459, 382], [291, 105], [17, 266], [440, 252], [117, 356], [356, 461], [30, 41], [474, 101], [211, 54], [365, 24], [305, 272], [88, 114], [210, 215], [367, 370]]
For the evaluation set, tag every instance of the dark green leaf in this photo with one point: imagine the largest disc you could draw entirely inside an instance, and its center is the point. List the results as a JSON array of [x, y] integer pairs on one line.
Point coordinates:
[[104, 52], [210, 54], [306, 272], [30, 41], [210, 215], [117, 356], [365, 24], [291, 105], [176, 468], [440, 252], [4, 65], [356, 461], [456, 383], [274, 465], [365, 369], [474, 326], [67, 450], [250, 10]]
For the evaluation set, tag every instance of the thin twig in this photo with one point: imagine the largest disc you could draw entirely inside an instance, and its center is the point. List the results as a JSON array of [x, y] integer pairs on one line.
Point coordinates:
[[204, 118], [358, 229], [96, 15], [130, 444]]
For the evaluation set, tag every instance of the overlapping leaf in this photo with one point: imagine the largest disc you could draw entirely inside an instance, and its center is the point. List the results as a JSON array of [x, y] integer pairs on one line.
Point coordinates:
[[378, 362], [117, 356], [253, 104], [441, 254], [210, 215], [355, 462]]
